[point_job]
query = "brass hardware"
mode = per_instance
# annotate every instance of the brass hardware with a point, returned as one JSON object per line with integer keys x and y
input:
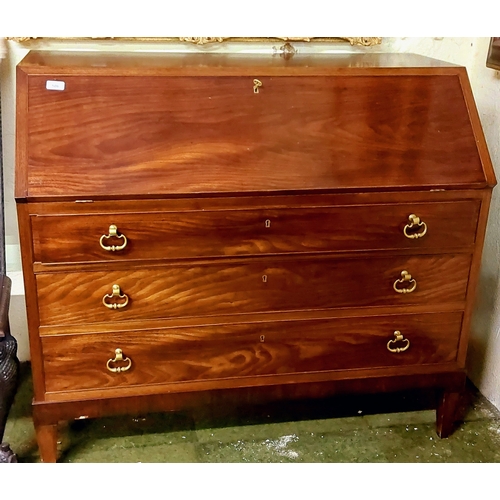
{"x": 399, "y": 338}
{"x": 264, "y": 278}
{"x": 113, "y": 233}
{"x": 268, "y": 223}
{"x": 119, "y": 359}
{"x": 256, "y": 85}
{"x": 262, "y": 338}
{"x": 116, "y": 293}
{"x": 415, "y": 221}
{"x": 405, "y": 280}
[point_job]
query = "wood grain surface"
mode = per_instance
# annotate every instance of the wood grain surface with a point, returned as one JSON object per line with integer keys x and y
{"x": 195, "y": 289}
{"x": 108, "y": 136}
{"x": 190, "y": 234}
{"x": 74, "y": 362}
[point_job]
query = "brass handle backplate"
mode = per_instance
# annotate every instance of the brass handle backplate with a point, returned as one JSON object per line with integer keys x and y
{"x": 406, "y": 284}
{"x": 398, "y": 338}
{"x": 119, "y": 359}
{"x": 114, "y": 295}
{"x": 415, "y": 222}
{"x": 113, "y": 233}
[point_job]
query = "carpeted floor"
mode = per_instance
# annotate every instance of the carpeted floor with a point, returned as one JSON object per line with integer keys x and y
{"x": 397, "y": 428}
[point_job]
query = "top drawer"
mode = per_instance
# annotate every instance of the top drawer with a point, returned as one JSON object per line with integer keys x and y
{"x": 217, "y": 233}
{"x": 103, "y": 136}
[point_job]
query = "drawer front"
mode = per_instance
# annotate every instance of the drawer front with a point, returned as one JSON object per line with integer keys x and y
{"x": 253, "y": 286}
{"x": 79, "y": 362}
{"x": 176, "y": 235}
{"x": 175, "y": 135}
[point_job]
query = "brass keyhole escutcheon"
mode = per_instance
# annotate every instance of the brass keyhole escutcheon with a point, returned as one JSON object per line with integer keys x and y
{"x": 406, "y": 284}
{"x": 257, "y": 84}
{"x": 262, "y": 338}
{"x": 113, "y": 233}
{"x": 414, "y": 222}
{"x": 264, "y": 278}
{"x": 267, "y": 223}
{"x": 115, "y": 295}
{"x": 119, "y": 359}
{"x": 398, "y": 338}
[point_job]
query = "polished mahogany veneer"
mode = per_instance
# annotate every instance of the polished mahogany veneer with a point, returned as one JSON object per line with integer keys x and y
{"x": 197, "y": 227}
{"x": 242, "y": 350}
{"x": 182, "y": 234}
{"x": 271, "y": 285}
{"x": 252, "y": 143}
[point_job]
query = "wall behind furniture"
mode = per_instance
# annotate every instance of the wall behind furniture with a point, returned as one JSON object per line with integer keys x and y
{"x": 484, "y": 359}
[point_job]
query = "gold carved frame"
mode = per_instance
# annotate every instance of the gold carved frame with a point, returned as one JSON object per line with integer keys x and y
{"x": 355, "y": 41}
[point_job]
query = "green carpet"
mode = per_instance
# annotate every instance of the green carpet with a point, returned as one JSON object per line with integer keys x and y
{"x": 397, "y": 428}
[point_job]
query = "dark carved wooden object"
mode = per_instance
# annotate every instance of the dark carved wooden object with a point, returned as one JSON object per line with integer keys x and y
{"x": 9, "y": 368}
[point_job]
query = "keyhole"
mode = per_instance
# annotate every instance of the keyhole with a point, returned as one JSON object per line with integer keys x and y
{"x": 264, "y": 278}
{"x": 268, "y": 223}
{"x": 262, "y": 338}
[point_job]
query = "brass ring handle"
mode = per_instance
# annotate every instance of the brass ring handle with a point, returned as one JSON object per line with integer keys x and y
{"x": 119, "y": 358}
{"x": 256, "y": 86}
{"x": 113, "y": 232}
{"x": 406, "y": 280}
{"x": 399, "y": 338}
{"x": 415, "y": 222}
{"x": 116, "y": 293}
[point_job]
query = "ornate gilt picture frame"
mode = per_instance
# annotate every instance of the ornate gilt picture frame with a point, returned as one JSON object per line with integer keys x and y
{"x": 203, "y": 41}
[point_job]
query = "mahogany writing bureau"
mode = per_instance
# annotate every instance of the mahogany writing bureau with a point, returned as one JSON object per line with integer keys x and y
{"x": 199, "y": 227}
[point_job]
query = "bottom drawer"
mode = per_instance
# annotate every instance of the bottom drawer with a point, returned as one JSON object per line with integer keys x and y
{"x": 211, "y": 352}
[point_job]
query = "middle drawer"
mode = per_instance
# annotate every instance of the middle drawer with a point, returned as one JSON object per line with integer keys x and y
{"x": 273, "y": 285}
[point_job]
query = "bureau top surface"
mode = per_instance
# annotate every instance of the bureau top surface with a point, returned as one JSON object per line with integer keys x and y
{"x": 112, "y": 125}
{"x": 198, "y": 64}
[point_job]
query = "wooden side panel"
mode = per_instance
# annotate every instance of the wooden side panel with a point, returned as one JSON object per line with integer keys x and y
{"x": 25, "y": 238}
{"x": 475, "y": 120}
{"x": 22, "y": 141}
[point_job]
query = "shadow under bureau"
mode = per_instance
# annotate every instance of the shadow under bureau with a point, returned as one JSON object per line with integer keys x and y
{"x": 198, "y": 228}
